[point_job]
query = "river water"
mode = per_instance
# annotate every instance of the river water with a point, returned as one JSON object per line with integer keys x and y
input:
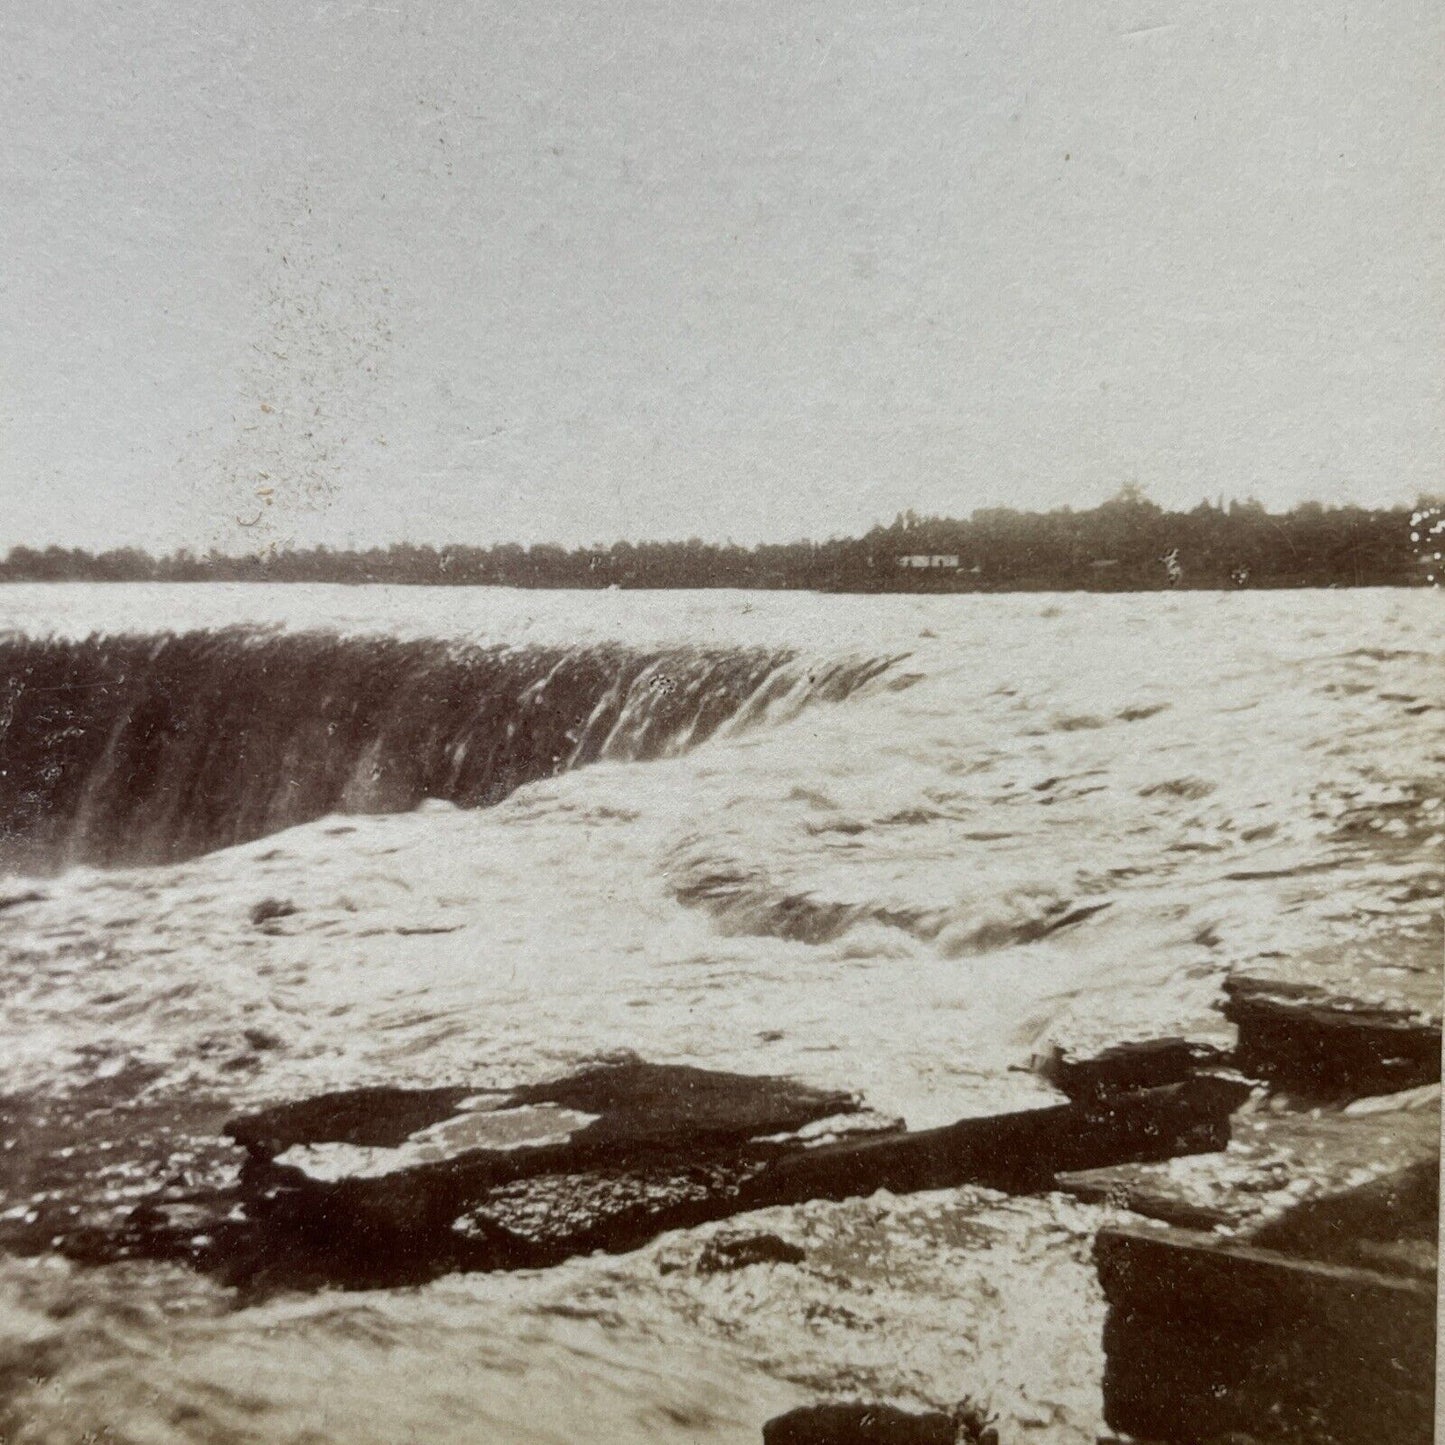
{"x": 897, "y": 845}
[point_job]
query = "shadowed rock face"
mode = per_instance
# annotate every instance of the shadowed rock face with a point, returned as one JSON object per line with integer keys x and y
{"x": 1303, "y": 1039}
{"x": 1206, "y": 1339}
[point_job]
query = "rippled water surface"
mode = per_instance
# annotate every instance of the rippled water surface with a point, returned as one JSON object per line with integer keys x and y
{"x": 1047, "y": 820}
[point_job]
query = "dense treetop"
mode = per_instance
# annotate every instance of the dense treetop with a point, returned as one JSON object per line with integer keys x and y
{"x": 1128, "y": 543}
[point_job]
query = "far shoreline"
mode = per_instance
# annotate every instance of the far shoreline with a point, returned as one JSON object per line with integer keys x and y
{"x": 1007, "y": 589}
{"x": 1127, "y": 544}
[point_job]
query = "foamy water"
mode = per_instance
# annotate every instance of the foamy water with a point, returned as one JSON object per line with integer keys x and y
{"x": 1052, "y": 820}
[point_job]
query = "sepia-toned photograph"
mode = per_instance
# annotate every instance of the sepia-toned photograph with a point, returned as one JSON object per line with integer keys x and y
{"x": 721, "y": 722}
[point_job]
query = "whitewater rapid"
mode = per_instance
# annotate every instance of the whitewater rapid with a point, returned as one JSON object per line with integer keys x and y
{"x": 1024, "y": 822}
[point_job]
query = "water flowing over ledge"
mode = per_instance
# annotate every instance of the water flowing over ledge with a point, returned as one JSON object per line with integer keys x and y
{"x": 153, "y": 749}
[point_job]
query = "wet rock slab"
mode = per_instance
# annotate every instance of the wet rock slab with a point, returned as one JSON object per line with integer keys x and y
{"x": 382, "y": 1186}
{"x": 1142, "y": 1064}
{"x": 1276, "y": 1162}
{"x": 1213, "y": 1340}
{"x": 869, "y": 1424}
{"x": 1323, "y": 1044}
{"x": 1017, "y": 1152}
{"x": 339, "y": 1192}
{"x": 387, "y": 1186}
{"x": 1309, "y": 1313}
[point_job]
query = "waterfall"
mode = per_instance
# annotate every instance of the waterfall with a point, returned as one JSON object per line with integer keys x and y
{"x": 151, "y": 749}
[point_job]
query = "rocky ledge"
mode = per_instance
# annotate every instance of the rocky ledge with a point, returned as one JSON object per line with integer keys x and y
{"x": 384, "y": 1186}
{"x": 1307, "y": 1312}
{"x": 378, "y": 1187}
{"x": 1284, "y": 1293}
{"x": 1289, "y": 1293}
{"x": 1320, "y": 1043}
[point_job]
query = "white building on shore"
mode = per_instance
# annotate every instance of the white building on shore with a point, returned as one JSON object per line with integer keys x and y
{"x": 945, "y": 560}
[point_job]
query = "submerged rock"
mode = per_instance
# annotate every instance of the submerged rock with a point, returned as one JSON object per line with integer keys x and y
{"x": 1145, "y": 1064}
{"x": 721, "y": 1255}
{"x": 859, "y": 1424}
{"x": 14, "y": 900}
{"x": 272, "y": 908}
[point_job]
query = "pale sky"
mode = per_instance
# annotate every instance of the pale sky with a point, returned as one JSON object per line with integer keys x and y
{"x": 319, "y": 271}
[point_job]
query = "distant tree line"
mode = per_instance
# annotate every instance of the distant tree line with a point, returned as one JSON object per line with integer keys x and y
{"x": 1126, "y": 544}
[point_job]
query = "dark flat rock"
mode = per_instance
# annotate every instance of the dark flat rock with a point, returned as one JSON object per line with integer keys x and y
{"x": 861, "y": 1424}
{"x": 1020, "y": 1152}
{"x": 374, "y": 1118}
{"x": 671, "y": 1105}
{"x": 1321, "y": 1044}
{"x": 603, "y": 1159}
{"x": 636, "y": 1104}
{"x": 617, "y": 1154}
{"x": 1206, "y": 1340}
{"x": 1274, "y": 1163}
{"x": 1145, "y": 1064}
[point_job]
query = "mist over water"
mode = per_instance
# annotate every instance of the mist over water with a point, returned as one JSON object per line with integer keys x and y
{"x": 1046, "y": 820}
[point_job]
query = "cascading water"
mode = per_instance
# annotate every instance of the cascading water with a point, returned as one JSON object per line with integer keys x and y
{"x": 152, "y": 749}
{"x": 900, "y": 896}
